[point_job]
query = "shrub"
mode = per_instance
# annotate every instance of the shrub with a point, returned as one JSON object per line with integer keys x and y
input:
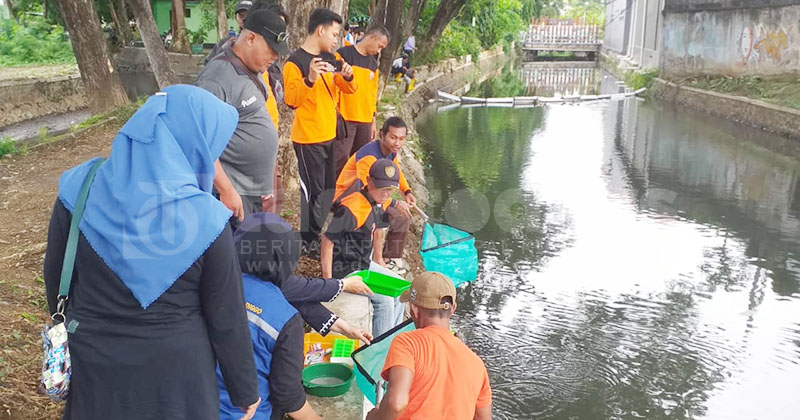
{"x": 457, "y": 40}
{"x": 7, "y": 147}
{"x": 640, "y": 79}
{"x": 33, "y": 40}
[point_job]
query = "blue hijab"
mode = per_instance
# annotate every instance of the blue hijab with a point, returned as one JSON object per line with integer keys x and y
{"x": 150, "y": 213}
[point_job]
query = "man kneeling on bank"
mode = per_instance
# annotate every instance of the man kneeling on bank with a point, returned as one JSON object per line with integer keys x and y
{"x": 431, "y": 373}
{"x": 347, "y": 245}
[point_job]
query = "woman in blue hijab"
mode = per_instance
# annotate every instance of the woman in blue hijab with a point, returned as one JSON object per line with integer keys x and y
{"x": 156, "y": 299}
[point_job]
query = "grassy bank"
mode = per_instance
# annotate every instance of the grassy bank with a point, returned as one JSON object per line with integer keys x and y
{"x": 779, "y": 91}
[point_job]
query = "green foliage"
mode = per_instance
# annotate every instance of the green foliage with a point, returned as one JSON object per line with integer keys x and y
{"x": 494, "y": 20}
{"x": 531, "y": 9}
{"x": 7, "y": 146}
{"x": 482, "y": 24}
{"x": 640, "y": 79}
{"x": 784, "y": 91}
{"x": 595, "y": 11}
{"x": 208, "y": 16}
{"x": 122, "y": 113}
{"x": 196, "y": 37}
{"x": 29, "y": 317}
{"x": 358, "y": 12}
{"x": 457, "y": 40}
{"x": 33, "y": 40}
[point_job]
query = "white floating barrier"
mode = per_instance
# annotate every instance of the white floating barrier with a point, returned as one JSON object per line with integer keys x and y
{"x": 533, "y": 100}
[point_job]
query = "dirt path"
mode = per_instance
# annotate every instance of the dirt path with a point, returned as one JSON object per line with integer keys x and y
{"x": 28, "y": 188}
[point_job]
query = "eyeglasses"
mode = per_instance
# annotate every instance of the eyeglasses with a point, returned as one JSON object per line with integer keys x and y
{"x": 281, "y": 37}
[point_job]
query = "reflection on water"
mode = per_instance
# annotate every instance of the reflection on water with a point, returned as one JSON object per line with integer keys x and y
{"x": 638, "y": 260}
{"x": 551, "y": 79}
{"x": 546, "y": 79}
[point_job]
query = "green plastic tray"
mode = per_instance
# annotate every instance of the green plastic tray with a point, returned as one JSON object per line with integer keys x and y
{"x": 342, "y": 347}
{"x": 383, "y": 284}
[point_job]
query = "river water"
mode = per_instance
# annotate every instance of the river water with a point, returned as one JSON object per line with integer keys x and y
{"x": 637, "y": 260}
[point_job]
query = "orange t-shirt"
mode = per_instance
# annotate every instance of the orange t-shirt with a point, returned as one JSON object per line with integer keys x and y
{"x": 450, "y": 381}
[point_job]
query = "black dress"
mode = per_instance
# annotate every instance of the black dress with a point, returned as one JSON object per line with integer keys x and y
{"x": 158, "y": 363}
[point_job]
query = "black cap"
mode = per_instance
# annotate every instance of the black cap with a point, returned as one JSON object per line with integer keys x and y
{"x": 269, "y": 25}
{"x": 384, "y": 174}
{"x": 243, "y": 5}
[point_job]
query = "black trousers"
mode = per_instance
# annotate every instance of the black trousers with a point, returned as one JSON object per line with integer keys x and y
{"x": 317, "y": 182}
{"x": 358, "y": 134}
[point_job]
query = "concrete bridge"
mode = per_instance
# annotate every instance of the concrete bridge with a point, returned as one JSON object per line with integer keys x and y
{"x": 561, "y": 37}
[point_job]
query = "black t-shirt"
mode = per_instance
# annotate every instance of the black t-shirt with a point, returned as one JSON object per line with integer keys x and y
{"x": 351, "y": 231}
{"x": 286, "y": 393}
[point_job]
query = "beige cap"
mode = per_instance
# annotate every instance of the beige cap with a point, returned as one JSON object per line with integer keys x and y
{"x": 428, "y": 289}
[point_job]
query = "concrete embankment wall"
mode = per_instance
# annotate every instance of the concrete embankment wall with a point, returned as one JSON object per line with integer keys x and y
{"x": 730, "y": 37}
{"x": 27, "y": 99}
{"x": 780, "y": 120}
{"x": 133, "y": 59}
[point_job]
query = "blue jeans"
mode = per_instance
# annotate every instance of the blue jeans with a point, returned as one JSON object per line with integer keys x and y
{"x": 388, "y": 312}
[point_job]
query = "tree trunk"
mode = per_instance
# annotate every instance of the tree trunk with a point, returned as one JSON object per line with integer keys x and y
{"x": 100, "y": 81}
{"x": 373, "y": 4}
{"x": 44, "y": 9}
{"x": 299, "y": 12}
{"x": 447, "y": 10}
{"x": 379, "y": 12}
{"x": 125, "y": 22}
{"x": 115, "y": 18}
{"x": 156, "y": 53}
{"x": 392, "y": 21}
{"x": 339, "y": 6}
{"x": 180, "y": 43}
{"x": 222, "y": 19}
{"x": 10, "y": 5}
{"x": 415, "y": 8}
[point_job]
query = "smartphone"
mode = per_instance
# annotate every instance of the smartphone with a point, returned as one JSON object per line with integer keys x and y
{"x": 337, "y": 64}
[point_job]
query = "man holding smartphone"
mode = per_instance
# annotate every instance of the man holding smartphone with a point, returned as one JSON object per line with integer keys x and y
{"x": 312, "y": 85}
{"x": 359, "y": 109}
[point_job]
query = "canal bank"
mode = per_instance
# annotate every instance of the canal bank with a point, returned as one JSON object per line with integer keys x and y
{"x": 781, "y": 120}
{"x": 778, "y": 119}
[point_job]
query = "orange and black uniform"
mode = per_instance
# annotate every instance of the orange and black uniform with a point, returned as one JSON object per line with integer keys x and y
{"x": 354, "y": 177}
{"x": 355, "y": 172}
{"x": 313, "y": 135}
{"x": 358, "y": 109}
{"x": 351, "y": 230}
{"x": 272, "y": 104}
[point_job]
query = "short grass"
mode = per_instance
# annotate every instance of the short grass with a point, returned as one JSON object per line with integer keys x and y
{"x": 784, "y": 91}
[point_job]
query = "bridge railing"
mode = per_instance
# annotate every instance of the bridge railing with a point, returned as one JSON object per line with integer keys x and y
{"x": 562, "y": 34}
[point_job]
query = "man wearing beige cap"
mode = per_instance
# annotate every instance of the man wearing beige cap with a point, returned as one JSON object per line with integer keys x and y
{"x": 431, "y": 373}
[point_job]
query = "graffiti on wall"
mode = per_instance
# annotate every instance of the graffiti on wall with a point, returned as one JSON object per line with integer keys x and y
{"x": 761, "y": 44}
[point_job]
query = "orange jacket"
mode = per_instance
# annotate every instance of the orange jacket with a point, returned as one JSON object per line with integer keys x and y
{"x": 314, "y": 104}
{"x": 355, "y": 172}
{"x": 361, "y": 105}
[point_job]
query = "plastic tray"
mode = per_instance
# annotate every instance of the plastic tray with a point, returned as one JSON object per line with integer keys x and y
{"x": 383, "y": 284}
{"x": 343, "y": 347}
{"x": 327, "y": 343}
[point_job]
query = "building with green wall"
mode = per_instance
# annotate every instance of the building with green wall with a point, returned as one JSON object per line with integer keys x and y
{"x": 194, "y": 16}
